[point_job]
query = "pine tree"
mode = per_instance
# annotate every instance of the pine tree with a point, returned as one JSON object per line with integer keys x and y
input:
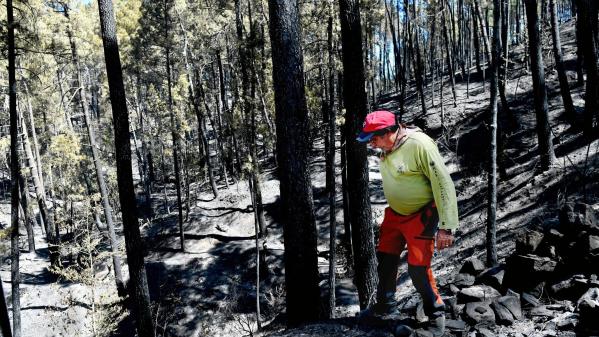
{"x": 357, "y": 165}
{"x": 299, "y": 229}
{"x": 138, "y": 284}
{"x": 14, "y": 175}
{"x": 546, "y": 152}
{"x": 492, "y": 174}
{"x": 569, "y": 111}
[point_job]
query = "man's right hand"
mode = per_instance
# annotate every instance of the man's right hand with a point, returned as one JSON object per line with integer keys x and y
{"x": 444, "y": 239}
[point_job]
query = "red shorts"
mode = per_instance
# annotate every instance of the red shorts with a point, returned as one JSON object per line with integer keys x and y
{"x": 416, "y": 231}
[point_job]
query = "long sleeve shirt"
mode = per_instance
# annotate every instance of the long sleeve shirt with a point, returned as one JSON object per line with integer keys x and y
{"x": 414, "y": 174}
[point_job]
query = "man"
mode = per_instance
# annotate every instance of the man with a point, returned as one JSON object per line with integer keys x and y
{"x": 422, "y": 210}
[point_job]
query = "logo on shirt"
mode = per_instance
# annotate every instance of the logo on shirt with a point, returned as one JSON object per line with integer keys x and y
{"x": 401, "y": 168}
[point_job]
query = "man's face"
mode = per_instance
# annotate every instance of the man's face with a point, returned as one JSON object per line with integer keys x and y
{"x": 376, "y": 141}
{"x": 381, "y": 141}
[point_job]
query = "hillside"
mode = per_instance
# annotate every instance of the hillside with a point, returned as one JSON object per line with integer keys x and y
{"x": 210, "y": 289}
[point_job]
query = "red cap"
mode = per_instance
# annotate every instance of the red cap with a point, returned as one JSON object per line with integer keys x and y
{"x": 375, "y": 121}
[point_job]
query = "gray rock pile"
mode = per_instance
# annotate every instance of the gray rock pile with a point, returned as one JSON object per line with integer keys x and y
{"x": 551, "y": 279}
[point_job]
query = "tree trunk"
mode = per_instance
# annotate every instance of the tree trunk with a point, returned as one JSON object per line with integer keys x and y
{"x": 449, "y": 60}
{"x": 145, "y": 153}
{"x": 82, "y": 96}
{"x": 587, "y": 14}
{"x": 248, "y": 92}
{"x": 344, "y": 184}
{"x": 483, "y": 30}
{"x": 540, "y": 91}
{"x": 220, "y": 131}
{"x": 138, "y": 284}
{"x": 228, "y": 156}
{"x": 331, "y": 166}
{"x": 36, "y": 147}
{"x": 4, "y": 319}
{"x": 579, "y": 46}
{"x": 299, "y": 229}
{"x": 47, "y": 218}
{"x": 174, "y": 127}
{"x": 15, "y": 173}
{"x": 433, "y": 53}
{"x": 26, "y": 148}
{"x": 201, "y": 124}
{"x": 27, "y": 219}
{"x": 357, "y": 168}
{"x": 569, "y": 111}
{"x": 418, "y": 65}
{"x": 476, "y": 40}
{"x": 492, "y": 173}
{"x": 396, "y": 52}
{"x": 502, "y": 73}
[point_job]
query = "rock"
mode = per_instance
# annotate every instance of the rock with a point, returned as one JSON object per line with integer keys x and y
{"x": 502, "y": 314}
{"x": 492, "y": 277}
{"x": 524, "y": 272}
{"x": 403, "y": 331}
{"x": 566, "y": 321}
{"x": 530, "y": 300}
{"x": 571, "y": 288}
{"x": 573, "y": 217}
{"x": 422, "y": 333}
{"x": 450, "y": 306}
{"x": 484, "y": 332}
{"x": 479, "y": 312}
{"x": 554, "y": 235}
{"x": 528, "y": 242}
{"x": 534, "y": 263}
{"x": 460, "y": 307}
{"x": 510, "y": 292}
{"x": 588, "y": 308}
{"x": 472, "y": 266}
{"x": 463, "y": 280}
{"x": 593, "y": 243}
{"x": 477, "y": 293}
{"x": 541, "y": 310}
{"x": 511, "y": 303}
{"x": 455, "y": 325}
{"x": 454, "y": 289}
{"x": 537, "y": 290}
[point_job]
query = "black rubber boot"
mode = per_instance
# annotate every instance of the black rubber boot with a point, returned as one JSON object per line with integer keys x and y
{"x": 435, "y": 311}
{"x": 386, "y": 304}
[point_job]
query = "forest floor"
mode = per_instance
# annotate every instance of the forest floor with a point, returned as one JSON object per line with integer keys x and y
{"x": 210, "y": 289}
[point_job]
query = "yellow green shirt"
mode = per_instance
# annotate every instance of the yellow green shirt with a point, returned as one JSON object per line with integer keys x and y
{"x": 414, "y": 174}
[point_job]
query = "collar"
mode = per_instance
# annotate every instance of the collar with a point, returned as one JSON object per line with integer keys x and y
{"x": 399, "y": 141}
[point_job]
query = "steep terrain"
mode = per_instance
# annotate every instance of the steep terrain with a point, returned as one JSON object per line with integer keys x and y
{"x": 210, "y": 290}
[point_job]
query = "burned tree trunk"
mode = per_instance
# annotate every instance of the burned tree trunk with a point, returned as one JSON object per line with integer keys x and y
{"x": 27, "y": 220}
{"x": 492, "y": 174}
{"x": 82, "y": 96}
{"x": 299, "y": 229}
{"x": 587, "y": 14}
{"x": 15, "y": 173}
{"x": 138, "y": 284}
{"x": 540, "y": 91}
{"x": 569, "y": 112}
{"x": 357, "y": 168}
{"x": 330, "y": 158}
{"x": 174, "y": 135}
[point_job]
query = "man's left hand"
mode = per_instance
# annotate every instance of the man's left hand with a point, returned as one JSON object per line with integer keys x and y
{"x": 444, "y": 239}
